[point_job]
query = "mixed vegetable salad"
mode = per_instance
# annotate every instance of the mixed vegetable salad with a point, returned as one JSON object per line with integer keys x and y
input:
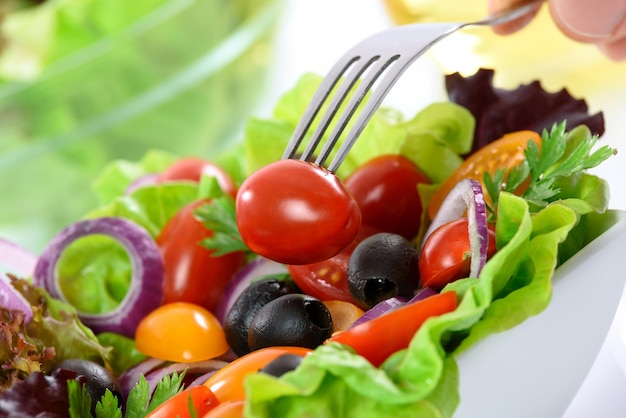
{"x": 254, "y": 286}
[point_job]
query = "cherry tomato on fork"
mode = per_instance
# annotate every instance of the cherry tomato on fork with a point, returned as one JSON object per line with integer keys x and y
{"x": 296, "y": 212}
{"x": 192, "y": 273}
{"x": 385, "y": 188}
{"x": 446, "y": 254}
{"x": 193, "y": 168}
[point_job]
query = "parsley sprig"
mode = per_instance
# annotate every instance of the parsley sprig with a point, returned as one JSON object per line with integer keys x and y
{"x": 138, "y": 404}
{"x": 560, "y": 155}
{"x": 218, "y": 215}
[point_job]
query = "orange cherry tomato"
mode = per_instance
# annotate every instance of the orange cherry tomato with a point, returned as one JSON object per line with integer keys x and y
{"x": 193, "y": 169}
{"x": 181, "y": 332}
{"x": 201, "y": 397}
{"x": 504, "y": 153}
{"x": 227, "y": 382}
{"x": 380, "y": 337}
{"x": 229, "y": 409}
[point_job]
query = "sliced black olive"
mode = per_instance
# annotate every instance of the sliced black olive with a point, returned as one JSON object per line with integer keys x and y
{"x": 253, "y": 298}
{"x": 96, "y": 379}
{"x": 282, "y": 364}
{"x": 382, "y": 266}
{"x": 290, "y": 320}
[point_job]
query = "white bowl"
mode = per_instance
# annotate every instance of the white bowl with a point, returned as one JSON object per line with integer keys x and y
{"x": 536, "y": 369}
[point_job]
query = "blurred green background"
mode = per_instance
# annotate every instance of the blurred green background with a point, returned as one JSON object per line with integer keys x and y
{"x": 83, "y": 82}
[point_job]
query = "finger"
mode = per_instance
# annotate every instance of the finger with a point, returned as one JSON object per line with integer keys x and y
{"x": 590, "y": 21}
{"x": 615, "y": 50}
{"x": 494, "y": 6}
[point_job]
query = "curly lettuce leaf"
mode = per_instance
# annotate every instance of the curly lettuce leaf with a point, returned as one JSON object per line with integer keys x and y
{"x": 499, "y": 111}
{"x": 55, "y": 333}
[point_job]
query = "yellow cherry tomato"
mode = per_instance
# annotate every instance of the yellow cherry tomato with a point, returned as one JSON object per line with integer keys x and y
{"x": 181, "y": 332}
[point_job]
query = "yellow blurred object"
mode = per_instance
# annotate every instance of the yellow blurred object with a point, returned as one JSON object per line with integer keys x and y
{"x": 539, "y": 51}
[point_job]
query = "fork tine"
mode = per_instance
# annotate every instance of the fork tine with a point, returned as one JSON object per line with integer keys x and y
{"x": 358, "y": 68}
{"x": 359, "y": 94}
{"x": 319, "y": 98}
{"x": 387, "y": 81}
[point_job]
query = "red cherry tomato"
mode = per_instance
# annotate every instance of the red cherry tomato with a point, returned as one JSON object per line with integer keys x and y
{"x": 193, "y": 168}
{"x": 295, "y": 212}
{"x": 192, "y": 273}
{"x": 380, "y": 337}
{"x": 386, "y": 190}
{"x": 446, "y": 254}
{"x": 181, "y": 332}
{"x": 328, "y": 280}
{"x": 201, "y": 397}
{"x": 227, "y": 382}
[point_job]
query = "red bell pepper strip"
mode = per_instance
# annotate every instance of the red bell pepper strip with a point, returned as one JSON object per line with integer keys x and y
{"x": 380, "y": 337}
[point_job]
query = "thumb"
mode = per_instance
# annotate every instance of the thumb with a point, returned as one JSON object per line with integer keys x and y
{"x": 597, "y": 21}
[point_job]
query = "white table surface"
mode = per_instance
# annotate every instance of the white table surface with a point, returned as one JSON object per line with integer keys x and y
{"x": 315, "y": 33}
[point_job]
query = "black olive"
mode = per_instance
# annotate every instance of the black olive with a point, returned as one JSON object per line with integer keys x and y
{"x": 96, "y": 379}
{"x": 253, "y": 298}
{"x": 282, "y": 364}
{"x": 383, "y": 265}
{"x": 290, "y": 320}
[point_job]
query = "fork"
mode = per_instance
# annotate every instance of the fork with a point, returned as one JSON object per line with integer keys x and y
{"x": 373, "y": 66}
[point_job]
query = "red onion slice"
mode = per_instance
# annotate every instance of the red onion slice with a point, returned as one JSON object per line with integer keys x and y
{"x": 466, "y": 196}
{"x": 146, "y": 287}
{"x": 13, "y": 300}
{"x": 20, "y": 262}
{"x": 379, "y": 309}
{"x": 16, "y": 259}
{"x": 142, "y": 181}
{"x": 258, "y": 267}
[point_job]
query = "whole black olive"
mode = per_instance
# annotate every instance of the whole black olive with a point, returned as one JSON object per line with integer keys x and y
{"x": 290, "y": 320}
{"x": 253, "y": 298}
{"x": 383, "y": 265}
{"x": 96, "y": 379}
{"x": 282, "y": 364}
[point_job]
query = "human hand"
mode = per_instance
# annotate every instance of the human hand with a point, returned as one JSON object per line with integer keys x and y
{"x": 598, "y": 22}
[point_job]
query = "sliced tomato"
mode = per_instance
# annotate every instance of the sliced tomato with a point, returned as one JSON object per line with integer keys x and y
{"x": 296, "y": 212}
{"x": 504, "y": 153}
{"x": 193, "y": 169}
{"x": 199, "y": 397}
{"x": 192, "y": 273}
{"x": 227, "y": 382}
{"x": 386, "y": 190}
{"x": 380, "y": 337}
{"x": 446, "y": 254}
{"x": 328, "y": 280}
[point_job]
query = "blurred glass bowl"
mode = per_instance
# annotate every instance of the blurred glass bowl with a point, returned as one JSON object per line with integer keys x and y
{"x": 182, "y": 78}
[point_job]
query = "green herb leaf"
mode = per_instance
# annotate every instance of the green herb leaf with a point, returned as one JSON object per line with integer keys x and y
{"x": 137, "y": 401}
{"x": 218, "y": 215}
{"x": 108, "y": 407}
{"x": 80, "y": 400}
{"x": 562, "y": 154}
